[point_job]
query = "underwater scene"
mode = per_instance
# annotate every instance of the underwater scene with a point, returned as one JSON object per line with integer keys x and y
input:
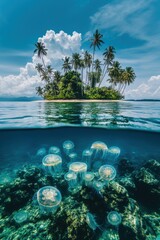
{"x": 79, "y": 183}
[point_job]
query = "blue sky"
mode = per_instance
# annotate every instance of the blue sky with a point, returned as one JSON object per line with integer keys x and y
{"x": 132, "y": 27}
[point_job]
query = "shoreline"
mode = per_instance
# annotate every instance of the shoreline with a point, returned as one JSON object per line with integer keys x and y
{"x": 79, "y": 100}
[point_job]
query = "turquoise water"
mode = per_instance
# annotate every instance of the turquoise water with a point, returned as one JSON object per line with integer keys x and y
{"x": 127, "y": 114}
{"x": 29, "y": 129}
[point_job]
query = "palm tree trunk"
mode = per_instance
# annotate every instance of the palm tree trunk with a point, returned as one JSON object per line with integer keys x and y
{"x": 43, "y": 63}
{"x": 103, "y": 76}
{"x": 124, "y": 88}
{"x": 86, "y": 74}
{"x": 93, "y": 59}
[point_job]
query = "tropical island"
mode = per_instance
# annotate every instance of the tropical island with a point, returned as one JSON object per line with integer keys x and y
{"x": 82, "y": 75}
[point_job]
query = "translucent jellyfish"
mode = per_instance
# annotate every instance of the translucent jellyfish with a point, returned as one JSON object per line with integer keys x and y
{"x": 90, "y": 220}
{"x": 68, "y": 147}
{"x": 98, "y": 186}
{"x": 113, "y": 154}
{"x": 52, "y": 164}
{"x": 99, "y": 149}
{"x": 88, "y": 178}
{"x": 79, "y": 168}
{"x": 107, "y": 173}
{"x": 73, "y": 157}
{"x": 41, "y": 152}
{"x": 20, "y": 217}
{"x": 114, "y": 218}
{"x": 86, "y": 157}
{"x": 54, "y": 150}
{"x": 71, "y": 178}
{"x": 48, "y": 199}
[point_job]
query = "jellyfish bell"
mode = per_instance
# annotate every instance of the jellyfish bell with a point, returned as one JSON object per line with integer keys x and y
{"x": 54, "y": 150}
{"x": 114, "y": 218}
{"x": 52, "y": 163}
{"x": 71, "y": 178}
{"x": 48, "y": 199}
{"x": 107, "y": 173}
{"x": 90, "y": 220}
{"x": 79, "y": 168}
{"x": 41, "y": 152}
{"x": 98, "y": 186}
{"x": 73, "y": 157}
{"x": 86, "y": 157}
{"x": 99, "y": 150}
{"x": 68, "y": 147}
{"x": 20, "y": 217}
{"x": 88, "y": 178}
{"x": 113, "y": 154}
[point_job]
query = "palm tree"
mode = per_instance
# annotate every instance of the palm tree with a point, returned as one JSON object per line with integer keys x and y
{"x": 109, "y": 55}
{"x": 66, "y": 64}
{"x": 39, "y": 68}
{"x": 76, "y": 59}
{"x": 115, "y": 73}
{"x": 98, "y": 69}
{"x": 45, "y": 76}
{"x": 94, "y": 78}
{"x": 87, "y": 62}
{"x": 49, "y": 70}
{"x": 82, "y": 66}
{"x": 41, "y": 51}
{"x": 97, "y": 65}
{"x": 39, "y": 91}
{"x": 57, "y": 76}
{"x": 96, "y": 42}
{"x": 128, "y": 77}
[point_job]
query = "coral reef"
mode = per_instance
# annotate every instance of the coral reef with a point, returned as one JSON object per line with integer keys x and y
{"x": 134, "y": 195}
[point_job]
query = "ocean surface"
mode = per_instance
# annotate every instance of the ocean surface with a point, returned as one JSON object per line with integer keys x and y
{"x": 28, "y": 133}
{"x": 125, "y": 114}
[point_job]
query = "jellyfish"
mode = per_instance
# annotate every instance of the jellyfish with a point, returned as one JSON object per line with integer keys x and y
{"x": 98, "y": 186}
{"x": 73, "y": 157}
{"x": 68, "y": 147}
{"x": 54, "y": 150}
{"x": 52, "y": 164}
{"x": 113, "y": 154}
{"x": 41, "y": 152}
{"x": 88, "y": 178}
{"x": 20, "y": 217}
{"x": 99, "y": 150}
{"x": 79, "y": 168}
{"x": 107, "y": 173}
{"x": 71, "y": 178}
{"x": 86, "y": 157}
{"x": 90, "y": 220}
{"x": 48, "y": 199}
{"x": 114, "y": 218}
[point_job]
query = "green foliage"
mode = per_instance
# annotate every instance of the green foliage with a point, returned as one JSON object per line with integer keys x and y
{"x": 103, "y": 93}
{"x": 69, "y": 87}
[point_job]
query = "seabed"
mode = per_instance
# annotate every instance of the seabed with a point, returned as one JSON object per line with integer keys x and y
{"x": 133, "y": 193}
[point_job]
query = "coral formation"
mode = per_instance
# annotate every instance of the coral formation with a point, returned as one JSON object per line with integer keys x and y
{"x": 134, "y": 194}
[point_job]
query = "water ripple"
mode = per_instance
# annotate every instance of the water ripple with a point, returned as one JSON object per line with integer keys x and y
{"x": 127, "y": 114}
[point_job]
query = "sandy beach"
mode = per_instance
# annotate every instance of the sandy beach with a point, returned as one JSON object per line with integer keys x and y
{"x": 79, "y": 100}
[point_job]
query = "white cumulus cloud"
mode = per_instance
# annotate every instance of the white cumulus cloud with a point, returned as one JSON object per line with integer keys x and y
{"x": 148, "y": 90}
{"x": 59, "y": 45}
